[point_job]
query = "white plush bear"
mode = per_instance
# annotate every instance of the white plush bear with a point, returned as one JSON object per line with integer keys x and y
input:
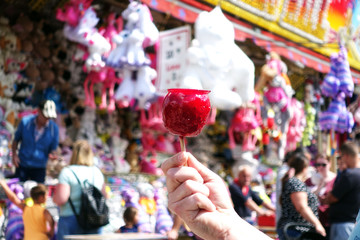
{"x": 137, "y": 86}
{"x": 216, "y": 63}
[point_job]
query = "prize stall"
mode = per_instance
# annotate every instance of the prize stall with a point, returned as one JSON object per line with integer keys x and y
{"x": 108, "y": 65}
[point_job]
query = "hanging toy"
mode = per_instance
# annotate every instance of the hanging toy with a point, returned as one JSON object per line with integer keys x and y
{"x": 337, "y": 85}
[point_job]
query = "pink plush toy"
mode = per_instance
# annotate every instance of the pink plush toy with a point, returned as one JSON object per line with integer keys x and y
{"x": 296, "y": 125}
{"x": 246, "y": 119}
{"x": 72, "y": 11}
{"x": 108, "y": 85}
{"x": 92, "y": 78}
{"x": 85, "y": 32}
{"x": 113, "y": 27}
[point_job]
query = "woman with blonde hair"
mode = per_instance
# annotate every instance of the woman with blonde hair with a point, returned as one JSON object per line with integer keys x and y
{"x": 81, "y": 167}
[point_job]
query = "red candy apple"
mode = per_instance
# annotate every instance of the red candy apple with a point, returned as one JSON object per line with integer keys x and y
{"x": 185, "y": 111}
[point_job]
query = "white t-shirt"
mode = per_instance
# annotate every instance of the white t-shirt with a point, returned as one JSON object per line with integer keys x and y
{"x": 92, "y": 174}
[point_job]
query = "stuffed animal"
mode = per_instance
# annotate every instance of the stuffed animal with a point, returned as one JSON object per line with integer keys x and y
{"x": 277, "y": 92}
{"x": 108, "y": 85}
{"x": 216, "y": 63}
{"x": 245, "y": 120}
{"x": 164, "y": 221}
{"x": 338, "y": 84}
{"x": 85, "y": 33}
{"x": 137, "y": 85}
{"x": 296, "y": 125}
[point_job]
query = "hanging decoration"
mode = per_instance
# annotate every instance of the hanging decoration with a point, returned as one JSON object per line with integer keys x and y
{"x": 337, "y": 85}
{"x": 129, "y": 57}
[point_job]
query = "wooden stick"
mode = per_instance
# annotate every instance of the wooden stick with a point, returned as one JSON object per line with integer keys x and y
{"x": 182, "y": 144}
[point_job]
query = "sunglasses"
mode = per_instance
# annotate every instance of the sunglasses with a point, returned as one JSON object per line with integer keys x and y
{"x": 320, "y": 164}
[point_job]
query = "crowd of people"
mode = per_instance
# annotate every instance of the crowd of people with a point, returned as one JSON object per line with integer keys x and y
{"x": 324, "y": 202}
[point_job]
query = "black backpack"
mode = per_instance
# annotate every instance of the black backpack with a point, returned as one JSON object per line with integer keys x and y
{"x": 94, "y": 212}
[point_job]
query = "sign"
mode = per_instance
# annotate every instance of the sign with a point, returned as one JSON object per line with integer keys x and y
{"x": 171, "y": 57}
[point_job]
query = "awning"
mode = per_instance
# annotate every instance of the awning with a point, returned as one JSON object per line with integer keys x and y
{"x": 188, "y": 10}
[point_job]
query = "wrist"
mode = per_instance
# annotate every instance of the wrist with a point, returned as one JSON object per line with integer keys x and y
{"x": 240, "y": 227}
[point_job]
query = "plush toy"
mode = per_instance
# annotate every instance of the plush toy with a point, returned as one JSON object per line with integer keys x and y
{"x": 277, "y": 92}
{"x": 246, "y": 119}
{"x": 216, "y": 63}
{"x": 339, "y": 78}
{"x": 164, "y": 221}
{"x": 338, "y": 84}
{"x": 137, "y": 85}
{"x": 296, "y": 125}
{"x": 310, "y": 115}
{"x": 138, "y": 33}
{"x": 92, "y": 78}
{"x": 108, "y": 85}
{"x": 85, "y": 33}
{"x": 15, "y": 224}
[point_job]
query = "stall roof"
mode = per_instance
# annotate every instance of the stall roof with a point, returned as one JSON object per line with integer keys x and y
{"x": 187, "y": 11}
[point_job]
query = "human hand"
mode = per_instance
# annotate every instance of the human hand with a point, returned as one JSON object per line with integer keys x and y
{"x": 172, "y": 234}
{"x": 15, "y": 160}
{"x": 200, "y": 198}
{"x": 269, "y": 213}
{"x": 320, "y": 229}
{"x": 53, "y": 156}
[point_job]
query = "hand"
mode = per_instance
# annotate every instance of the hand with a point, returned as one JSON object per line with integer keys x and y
{"x": 269, "y": 213}
{"x": 320, "y": 229}
{"x": 202, "y": 200}
{"x": 53, "y": 156}
{"x": 172, "y": 234}
{"x": 15, "y": 160}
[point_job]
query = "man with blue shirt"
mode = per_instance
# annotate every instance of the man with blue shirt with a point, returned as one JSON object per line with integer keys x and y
{"x": 38, "y": 137}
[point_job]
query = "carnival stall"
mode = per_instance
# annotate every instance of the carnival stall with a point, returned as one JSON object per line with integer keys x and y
{"x": 108, "y": 65}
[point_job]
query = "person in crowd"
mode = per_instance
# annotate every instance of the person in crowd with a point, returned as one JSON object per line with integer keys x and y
{"x": 322, "y": 182}
{"x": 38, "y": 222}
{"x": 341, "y": 166}
{"x": 245, "y": 199}
{"x": 38, "y": 137}
{"x": 344, "y": 199}
{"x": 201, "y": 199}
{"x": 298, "y": 203}
{"x": 131, "y": 219}
{"x": 282, "y": 170}
{"x": 81, "y": 164}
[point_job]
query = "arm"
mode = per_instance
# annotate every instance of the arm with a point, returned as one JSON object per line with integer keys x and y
{"x": 15, "y": 157}
{"x": 49, "y": 223}
{"x": 269, "y": 206}
{"x": 11, "y": 195}
{"x": 53, "y": 154}
{"x": 61, "y": 194}
{"x": 299, "y": 200}
{"x": 254, "y": 207}
{"x": 329, "y": 199}
{"x": 173, "y": 234}
{"x": 200, "y": 198}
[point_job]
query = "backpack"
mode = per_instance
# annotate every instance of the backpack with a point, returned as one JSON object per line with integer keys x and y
{"x": 94, "y": 212}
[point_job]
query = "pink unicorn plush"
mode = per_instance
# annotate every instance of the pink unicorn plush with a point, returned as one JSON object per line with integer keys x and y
{"x": 85, "y": 32}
